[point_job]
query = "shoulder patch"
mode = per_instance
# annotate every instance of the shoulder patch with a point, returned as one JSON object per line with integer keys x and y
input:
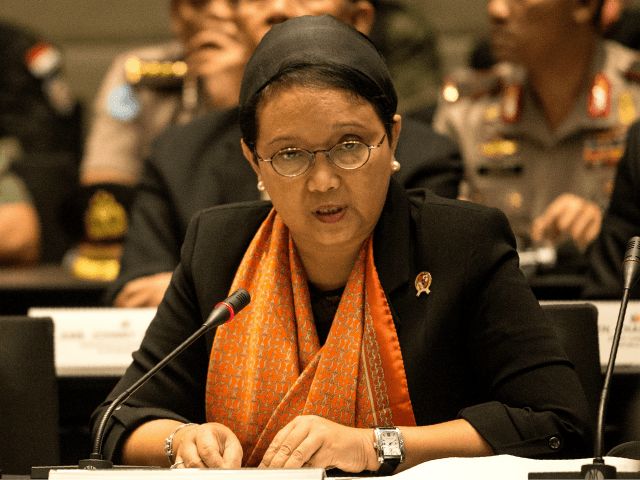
{"x": 42, "y": 60}
{"x": 122, "y": 103}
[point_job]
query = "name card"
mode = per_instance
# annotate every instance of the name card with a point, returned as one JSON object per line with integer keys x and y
{"x": 95, "y": 341}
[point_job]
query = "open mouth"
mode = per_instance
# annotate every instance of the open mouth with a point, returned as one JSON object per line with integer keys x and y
{"x": 330, "y": 214}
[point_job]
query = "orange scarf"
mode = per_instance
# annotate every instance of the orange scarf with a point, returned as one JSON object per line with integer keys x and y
{"x": 267, "y": 366}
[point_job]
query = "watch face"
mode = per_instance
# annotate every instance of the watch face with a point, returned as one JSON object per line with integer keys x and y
{"x": 390, "y": 443}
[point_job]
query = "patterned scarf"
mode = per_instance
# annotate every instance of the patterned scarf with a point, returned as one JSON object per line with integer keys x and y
{"x": 267, "y": 366}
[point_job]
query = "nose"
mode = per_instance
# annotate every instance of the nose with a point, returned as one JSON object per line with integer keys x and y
{"x": 280, "y": 11}
{"x": 497, "y": 10}
{"x": 323, "y": 175}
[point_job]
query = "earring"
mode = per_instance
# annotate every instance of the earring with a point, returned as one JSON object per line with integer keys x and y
{"x": 395, "y": 165}
{"x": 261, "y": 186}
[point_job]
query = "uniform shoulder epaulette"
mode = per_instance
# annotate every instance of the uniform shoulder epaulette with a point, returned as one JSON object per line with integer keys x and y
{"x": 159, "y": 74}
{"x": 471, "y": 84}
{"x": 633, "y": 72}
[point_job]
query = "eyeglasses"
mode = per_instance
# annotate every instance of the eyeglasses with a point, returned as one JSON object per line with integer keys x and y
{"x": 291, "y": 162}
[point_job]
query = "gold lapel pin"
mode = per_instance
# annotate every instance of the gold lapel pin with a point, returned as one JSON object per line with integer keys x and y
{"x": 423, "y": 282}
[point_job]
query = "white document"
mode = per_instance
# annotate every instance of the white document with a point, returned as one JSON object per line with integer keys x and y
{"x": 505, "y": 467}
{"x": 95, "y": 341}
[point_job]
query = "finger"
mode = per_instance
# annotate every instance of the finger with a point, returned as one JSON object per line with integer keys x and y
{"x": 302, "y": 455}
{"x": 209, "y": 449}
{"x": 586, "y": 227}
{"x": 275, "y": 445}
{"x": 232, "y": 456}
{"x": 188, "y": 453}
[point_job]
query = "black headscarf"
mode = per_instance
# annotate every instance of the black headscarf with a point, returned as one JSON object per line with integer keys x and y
{"x": 314, "y": 40}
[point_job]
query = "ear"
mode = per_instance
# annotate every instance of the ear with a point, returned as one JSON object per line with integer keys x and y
{"x": 584, "y": 12}
{"x": 362, "y": 16}
{"x": 248, "y": 154}
{"x": 395, "y": 129}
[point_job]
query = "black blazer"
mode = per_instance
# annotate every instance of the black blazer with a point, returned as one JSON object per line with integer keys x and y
{"x": 476, "y": 347}
{"x": 200, "y": 164}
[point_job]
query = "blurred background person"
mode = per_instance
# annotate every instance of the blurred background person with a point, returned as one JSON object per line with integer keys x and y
{"x": 40, "y": 142}
{"x": 200, "y": 164}
{"x": 145, "y": 90}
{"x": 541, "y": 133}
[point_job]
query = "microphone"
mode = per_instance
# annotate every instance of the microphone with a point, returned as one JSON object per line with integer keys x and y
{"x": 222, "y": 313}
{"x": 598, "y": 469}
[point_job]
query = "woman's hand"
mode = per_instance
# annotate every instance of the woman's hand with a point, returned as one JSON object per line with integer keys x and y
{"x": 210, "y": 445}
{"x": 311, "y": 441}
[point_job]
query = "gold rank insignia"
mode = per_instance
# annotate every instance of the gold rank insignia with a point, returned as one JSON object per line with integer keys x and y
{"x": 511, "y": 103}
{"x": 423, "y": 282}
{"x": 498, "y": 148}
{"x": 599, "y": 102}
{"x": 105, "y": 218}
{"x": 137, "y": 71}
{"x": 626, "y": 109}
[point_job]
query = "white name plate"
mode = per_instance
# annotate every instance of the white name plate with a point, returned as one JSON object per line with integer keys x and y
{"x": 95, "y": 341}
{"x": 193, "y": 473}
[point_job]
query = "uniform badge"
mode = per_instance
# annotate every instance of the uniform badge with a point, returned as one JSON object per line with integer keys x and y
{"x": 626, "y": 109}
{"x": 423, "y": 282}
{"x": 511, "y": 103}
{"x": 599, "y": 103}
{"x": 105, "y": 218}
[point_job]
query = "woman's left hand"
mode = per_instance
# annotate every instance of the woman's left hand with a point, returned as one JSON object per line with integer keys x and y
{"x": 311, "y": 441}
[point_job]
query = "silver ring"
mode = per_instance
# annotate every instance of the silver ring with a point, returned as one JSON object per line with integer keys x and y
{"x": 175, "y": 465}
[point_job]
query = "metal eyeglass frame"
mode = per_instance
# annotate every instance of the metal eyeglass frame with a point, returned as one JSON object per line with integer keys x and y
{"x": 313, "y": 156}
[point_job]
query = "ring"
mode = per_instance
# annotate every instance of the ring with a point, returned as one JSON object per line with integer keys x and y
{"x": 175, "y": 465}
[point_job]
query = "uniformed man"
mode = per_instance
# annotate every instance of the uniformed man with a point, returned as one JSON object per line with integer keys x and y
{"x": 39, "y": 134}
{"x": 541, "y": 133}
{"x": 144, "y": 91}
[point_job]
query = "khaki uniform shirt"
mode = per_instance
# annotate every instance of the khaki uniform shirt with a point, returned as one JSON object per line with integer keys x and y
{"x": 514, "y": 162}
{"x": 143, "y": 92}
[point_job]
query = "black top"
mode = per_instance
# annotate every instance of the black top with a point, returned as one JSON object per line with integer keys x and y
{"x": 477, "y": 347}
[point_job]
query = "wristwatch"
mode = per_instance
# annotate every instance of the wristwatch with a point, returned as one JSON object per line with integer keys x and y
{"x": 389, "y": 446}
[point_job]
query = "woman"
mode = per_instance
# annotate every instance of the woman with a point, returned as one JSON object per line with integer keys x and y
{"x": 369, "y": 307}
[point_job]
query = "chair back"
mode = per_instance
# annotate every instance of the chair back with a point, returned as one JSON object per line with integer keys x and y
{"x": 577, "y": 327}
{"x": 29, "y": 424}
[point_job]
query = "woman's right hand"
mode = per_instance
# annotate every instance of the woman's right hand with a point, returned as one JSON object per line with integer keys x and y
{"x": 210, "y": 445}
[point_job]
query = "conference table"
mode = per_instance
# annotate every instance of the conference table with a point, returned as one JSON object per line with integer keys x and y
{"x": 46, "y": 285}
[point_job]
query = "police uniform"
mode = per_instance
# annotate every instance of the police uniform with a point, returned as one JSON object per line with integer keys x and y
{"x": 144, "y": 91}
{"x": 514, "y": 162}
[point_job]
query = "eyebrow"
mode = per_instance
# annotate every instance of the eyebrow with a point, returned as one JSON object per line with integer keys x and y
{"x": 337, "y": 126}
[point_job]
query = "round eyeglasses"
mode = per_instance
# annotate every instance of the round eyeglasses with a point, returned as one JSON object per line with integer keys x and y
{"x": 291, "y": 162}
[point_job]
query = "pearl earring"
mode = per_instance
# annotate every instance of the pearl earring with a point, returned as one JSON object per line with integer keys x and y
{"x": 395, "y": 165}
{"x": 261, "y": 186}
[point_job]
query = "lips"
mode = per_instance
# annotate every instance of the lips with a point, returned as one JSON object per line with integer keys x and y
{"x": 330, "y": 213}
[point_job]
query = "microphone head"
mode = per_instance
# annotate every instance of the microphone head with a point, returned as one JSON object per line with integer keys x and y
{"x": 238, "y": 300}
{"x": 631, "y": 263}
